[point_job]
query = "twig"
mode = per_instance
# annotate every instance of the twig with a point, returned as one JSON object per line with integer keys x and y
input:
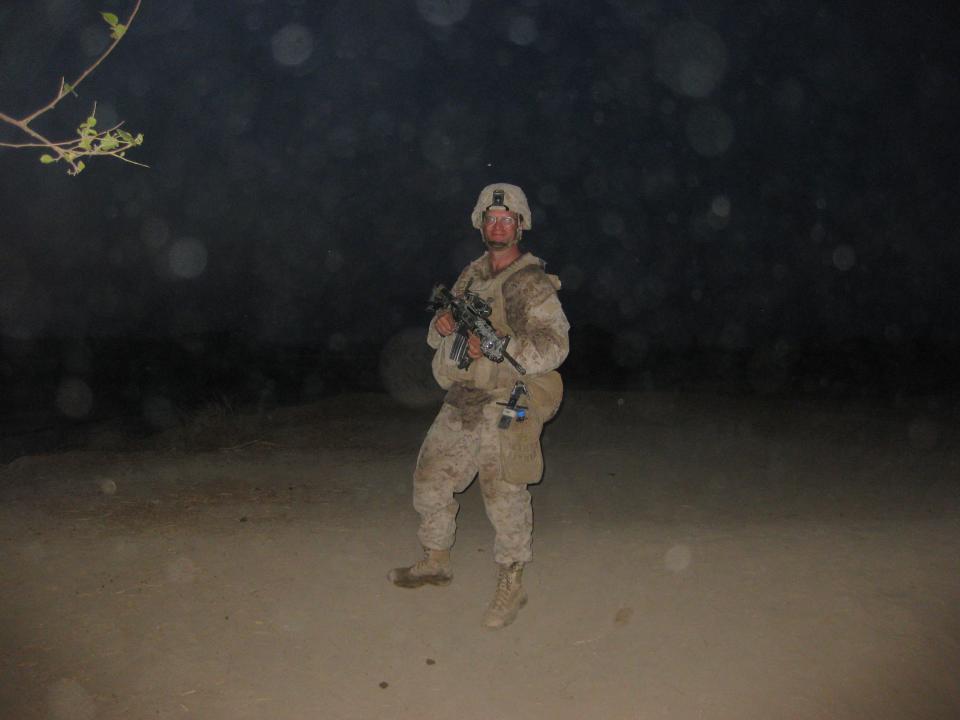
{"x": 83, "y": 76}
{"x": 111, "y": 142}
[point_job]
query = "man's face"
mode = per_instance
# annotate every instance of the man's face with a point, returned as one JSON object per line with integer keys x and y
{"x": 500, "y": 228}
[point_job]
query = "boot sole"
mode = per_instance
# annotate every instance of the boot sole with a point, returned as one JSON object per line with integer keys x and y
{"x": 412, "y": 583}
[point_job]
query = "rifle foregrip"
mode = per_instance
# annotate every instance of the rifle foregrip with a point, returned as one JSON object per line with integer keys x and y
{"x": 520, "y": 368}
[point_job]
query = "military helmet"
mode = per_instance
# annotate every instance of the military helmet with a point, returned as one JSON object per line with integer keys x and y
{"x": 502, "y": 196}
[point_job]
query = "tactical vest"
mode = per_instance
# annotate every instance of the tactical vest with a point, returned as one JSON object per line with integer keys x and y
{"x": 545, "y": 390}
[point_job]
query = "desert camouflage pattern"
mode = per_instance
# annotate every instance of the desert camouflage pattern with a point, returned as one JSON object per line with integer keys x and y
{"x": 525, "y": 306}
{"x": 460, "y": 446}
{"x": 514, "y": 199}
{"x": 464, "y": 441}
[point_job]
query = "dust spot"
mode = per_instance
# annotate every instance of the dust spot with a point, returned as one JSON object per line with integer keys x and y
{"x": 125, "y": 550}
{"x": 677, "y": 558}
{"x": 623, "y": 616}
{"x": 405, "y": 369}
{"x": 181, "y": 570}
{"x": 108, "y": 487}
{"x": 384, "y": 685}
{"x": 74, "y": 398}
{"x": 292, "y": 45}
{"x": 431, "y": 661}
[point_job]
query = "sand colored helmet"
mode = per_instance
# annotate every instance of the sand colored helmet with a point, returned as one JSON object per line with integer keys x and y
{"x": 503, "y": 196}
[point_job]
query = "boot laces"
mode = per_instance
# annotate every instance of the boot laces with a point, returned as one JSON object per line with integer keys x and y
{"x": 504, "y": 587}
{"x": 426, "y": 564}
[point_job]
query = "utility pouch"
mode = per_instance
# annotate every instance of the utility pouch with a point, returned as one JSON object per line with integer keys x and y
{"x": 521, "y": 458}
{"x": 545, "y": 394}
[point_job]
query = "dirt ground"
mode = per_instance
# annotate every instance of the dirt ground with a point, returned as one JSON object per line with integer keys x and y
{"x": 695, "y": 557}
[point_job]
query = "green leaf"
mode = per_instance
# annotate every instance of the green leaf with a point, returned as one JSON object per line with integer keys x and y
{"x": 84, "y": 143}
{"x": 68, "y": 90}
{"x": 47, "y": 159}
{"x": 108, "y": 142}
{"x": 111, "y": 19}
{"x": 91, "y": 121}
{"x": 80, "y": 166}
{"x": 118, "y": 31}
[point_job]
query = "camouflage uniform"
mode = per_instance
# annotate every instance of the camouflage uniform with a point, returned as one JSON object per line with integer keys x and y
{"x": 464, "y": 440}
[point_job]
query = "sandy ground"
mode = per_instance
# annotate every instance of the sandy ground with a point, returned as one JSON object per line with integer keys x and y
{"x": 696, "y": 557}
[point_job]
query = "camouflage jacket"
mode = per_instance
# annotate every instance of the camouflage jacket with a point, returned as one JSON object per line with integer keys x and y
{"x": 525, "y": 306}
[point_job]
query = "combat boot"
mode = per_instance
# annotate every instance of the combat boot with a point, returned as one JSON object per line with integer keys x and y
{"x": 509, "y": 598}
{"x": 433, "y": 569}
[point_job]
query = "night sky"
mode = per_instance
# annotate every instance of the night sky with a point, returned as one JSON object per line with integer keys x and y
{"x": 758, "y": 194}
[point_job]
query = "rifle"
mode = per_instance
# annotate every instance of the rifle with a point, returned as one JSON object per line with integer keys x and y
{"x": 470, "y": 312}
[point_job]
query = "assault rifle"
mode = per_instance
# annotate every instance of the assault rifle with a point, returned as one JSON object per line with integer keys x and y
{"x": 470, "y": 312}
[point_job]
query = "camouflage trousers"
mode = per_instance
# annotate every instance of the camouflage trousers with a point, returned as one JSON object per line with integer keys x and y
{"x": 461, "y": 445}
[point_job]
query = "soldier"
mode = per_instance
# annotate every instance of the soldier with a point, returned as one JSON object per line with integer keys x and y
{"x": 466, "y": 438}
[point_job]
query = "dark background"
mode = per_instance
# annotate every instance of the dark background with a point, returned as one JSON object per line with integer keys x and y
{"x": 755, "y": 197}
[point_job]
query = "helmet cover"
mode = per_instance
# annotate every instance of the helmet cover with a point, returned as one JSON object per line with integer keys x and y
{"x": 513, "y": 200}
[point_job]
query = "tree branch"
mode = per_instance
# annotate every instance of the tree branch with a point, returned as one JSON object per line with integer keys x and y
{"x": 83, "y": 76}
{"x": 113, "y": 142}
